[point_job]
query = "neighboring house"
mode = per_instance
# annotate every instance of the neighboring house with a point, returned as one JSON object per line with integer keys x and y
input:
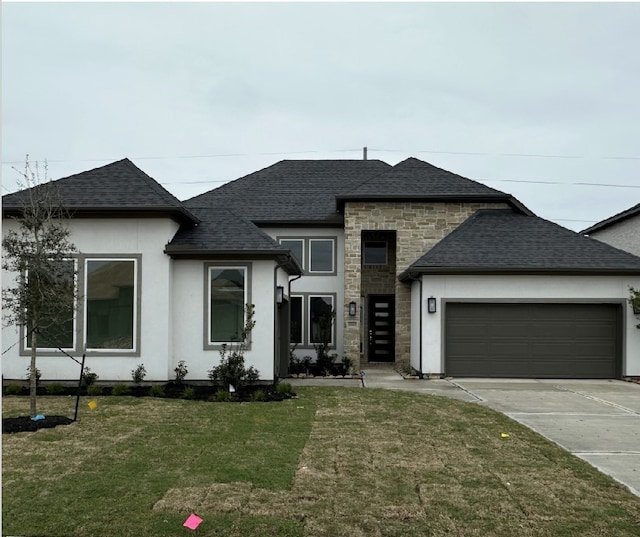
{"x": 420, "y": 266}
{"x": 621, "y": 230}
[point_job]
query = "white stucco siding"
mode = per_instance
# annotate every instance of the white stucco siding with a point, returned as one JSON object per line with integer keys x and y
{"x": 624, "y": 235}
{"x": 144, "y": 240}
{"x": 578, "y": 289}
{"x": 319, "y": 284}
{"x": 190, "y": 316}
{"x": 416, "y": 299}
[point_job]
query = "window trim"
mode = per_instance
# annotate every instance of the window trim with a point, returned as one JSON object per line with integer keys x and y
{"x": 207, "y": 344}
{"x": 80, "y": 309}
{"x": 135, "y": 350}
{"x": 333, "y": 255}
{"x": 306, "y": 328}
{"x": 25, "y": 349}
{"x": 332, "y": 343}
{"x": 302, "y": 320}
{"x": 296, "y": 239}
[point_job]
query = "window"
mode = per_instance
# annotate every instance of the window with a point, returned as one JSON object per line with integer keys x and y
{"x": 375, "y": 253}
{"x": 227, "y": 299}
{"x": 111, "y": 304}
{"x": 57, "y": 324}
{"x": 297, "y": 321}
{"x": 321, "y": 258}
{"x": 297, "y": 248}
{"x": 321, "y": 319}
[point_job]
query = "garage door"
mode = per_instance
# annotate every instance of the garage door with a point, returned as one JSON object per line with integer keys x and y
{"x": 533, "y": 340}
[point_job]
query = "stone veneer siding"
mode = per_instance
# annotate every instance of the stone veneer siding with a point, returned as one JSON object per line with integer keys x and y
{"x": 418, "y": 226}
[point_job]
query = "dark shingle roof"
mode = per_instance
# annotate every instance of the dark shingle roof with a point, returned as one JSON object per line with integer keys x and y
{"x": 223, "y": 232}
{"x": 298, "y": 191}
{"x": 119, "y": 187}
{"x": 629, "y": 213}
{"x": 503, "y": 241}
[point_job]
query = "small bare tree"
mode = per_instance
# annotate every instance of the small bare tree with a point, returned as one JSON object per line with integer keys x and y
{"x": 41, "y": 298}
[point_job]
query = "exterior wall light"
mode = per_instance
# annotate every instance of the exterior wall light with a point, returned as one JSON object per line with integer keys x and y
{"x": 279, "y": 294}
{"x": 431, "y": 304}
{"x": 352, "y": 309}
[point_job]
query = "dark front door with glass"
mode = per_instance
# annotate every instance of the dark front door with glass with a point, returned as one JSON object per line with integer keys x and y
{"x": 381, "y": 328}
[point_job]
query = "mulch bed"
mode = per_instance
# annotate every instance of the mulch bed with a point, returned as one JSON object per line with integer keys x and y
{"x": 26, "y": 424}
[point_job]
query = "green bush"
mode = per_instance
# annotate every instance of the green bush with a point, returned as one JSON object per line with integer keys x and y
{"x": 181, "y": 371}
{"x": 93, "y": 389}
{"x": 284, "y": 388}
{"x": 138, "y": 374}
{"x": 89, "y": 377}
{"x": 120, "y": 389}
{"x": 156, "y": 391}
{"x": 55, "y": 389}
{"x": 223, "y": 396}
{"x": 13, "y": 389}
{"x": 258, "y": 395}
{"x": 188, "y": 393}
{"x": 38, "y": 375}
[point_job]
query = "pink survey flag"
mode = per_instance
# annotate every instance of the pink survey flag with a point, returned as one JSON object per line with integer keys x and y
{"x": 192, "y": 522}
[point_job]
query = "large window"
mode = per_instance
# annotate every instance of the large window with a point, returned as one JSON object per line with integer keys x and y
{"x": 110, "y": 298}
{"x": 227, "y": 299}
{"x": 56, "y": 326}
{"x": 312, "y": 319}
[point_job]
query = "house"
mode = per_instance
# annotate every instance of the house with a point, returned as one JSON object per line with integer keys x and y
{"x": 419, "y": 265}
{"x": 621, "y": 230}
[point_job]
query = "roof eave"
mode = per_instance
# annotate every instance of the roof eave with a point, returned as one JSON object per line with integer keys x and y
{"x": 415, "y": 273}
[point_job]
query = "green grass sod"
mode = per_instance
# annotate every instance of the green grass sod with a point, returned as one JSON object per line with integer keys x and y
{"x": 333, "y": 462}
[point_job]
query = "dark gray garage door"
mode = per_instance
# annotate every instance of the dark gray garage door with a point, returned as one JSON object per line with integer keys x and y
{"x": 533, "y": 340}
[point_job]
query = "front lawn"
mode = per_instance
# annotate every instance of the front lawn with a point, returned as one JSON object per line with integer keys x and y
{"x": 334, "y": 462}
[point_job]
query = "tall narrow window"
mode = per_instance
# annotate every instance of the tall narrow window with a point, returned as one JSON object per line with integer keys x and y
{"x": 321, "y": 255}
{"x": 227, "y": 291}
{"x": 57, "y": 322}
{"x": 296, "y": 319}
{"x": 321, "y": 319}
{"x": 297, "y": 248}
{"x": 110, "y": 304}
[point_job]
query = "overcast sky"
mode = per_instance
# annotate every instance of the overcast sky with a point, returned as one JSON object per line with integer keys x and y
{"x": 538, "y": 100}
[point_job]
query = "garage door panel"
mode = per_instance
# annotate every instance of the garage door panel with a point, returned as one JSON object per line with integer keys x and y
{"x": 533, "y": 340}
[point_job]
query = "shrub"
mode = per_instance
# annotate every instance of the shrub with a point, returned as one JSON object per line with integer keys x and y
{"x": 55, "y": 389}
{"x": 348, "y": 365}
{"x": 89, "y": 377}
{"x": 120, "y": 389}
{"x": 223, "y": 396}
{"x": 188, "y": 393}
{"x": 138, "y": 374}
{"x": 13, "y": 389}
{"x": 258, "y": 395}
{"x": 284, "y": 388}
{"x": 181, "y": 371}
{"x": 38, "y": 375}
{"x": 156, "y": 391}
{"x": 324, "y": 360}
{"x": 231, "y": 370}
{"x": 93, "y": 389}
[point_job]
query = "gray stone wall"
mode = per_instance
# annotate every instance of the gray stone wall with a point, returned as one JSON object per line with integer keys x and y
{"x": 418, "y": 226}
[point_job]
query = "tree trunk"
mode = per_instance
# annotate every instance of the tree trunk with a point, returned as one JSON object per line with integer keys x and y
{"x": 33, "y": 378}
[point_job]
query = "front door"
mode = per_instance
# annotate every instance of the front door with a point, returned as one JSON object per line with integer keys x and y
{"x": 382, "y": 319}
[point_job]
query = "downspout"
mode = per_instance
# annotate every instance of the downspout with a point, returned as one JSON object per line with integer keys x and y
{"x": 276, "y": 328}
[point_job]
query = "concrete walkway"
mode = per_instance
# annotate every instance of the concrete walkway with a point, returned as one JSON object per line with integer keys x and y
{"x": 596, "y": 420}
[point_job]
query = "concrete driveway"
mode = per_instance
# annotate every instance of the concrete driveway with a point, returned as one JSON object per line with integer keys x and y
{"x": 596, "y": 420}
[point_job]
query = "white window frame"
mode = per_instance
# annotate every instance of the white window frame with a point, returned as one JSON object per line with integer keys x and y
{"x": 333, "y": 255}
{"x": 296, "y": 239}
{"x": 25, "y": 348}
{"x": 302, "y": 320}
{"x": 136, "y": 304}
{"x": 310, "y": 343}
{"x": 246, "y": 269}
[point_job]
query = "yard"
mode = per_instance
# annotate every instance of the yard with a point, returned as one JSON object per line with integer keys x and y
{"x": 333, "y": 462}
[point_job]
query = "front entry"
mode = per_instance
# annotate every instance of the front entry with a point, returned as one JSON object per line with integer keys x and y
{"x": 381, "y": 328}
